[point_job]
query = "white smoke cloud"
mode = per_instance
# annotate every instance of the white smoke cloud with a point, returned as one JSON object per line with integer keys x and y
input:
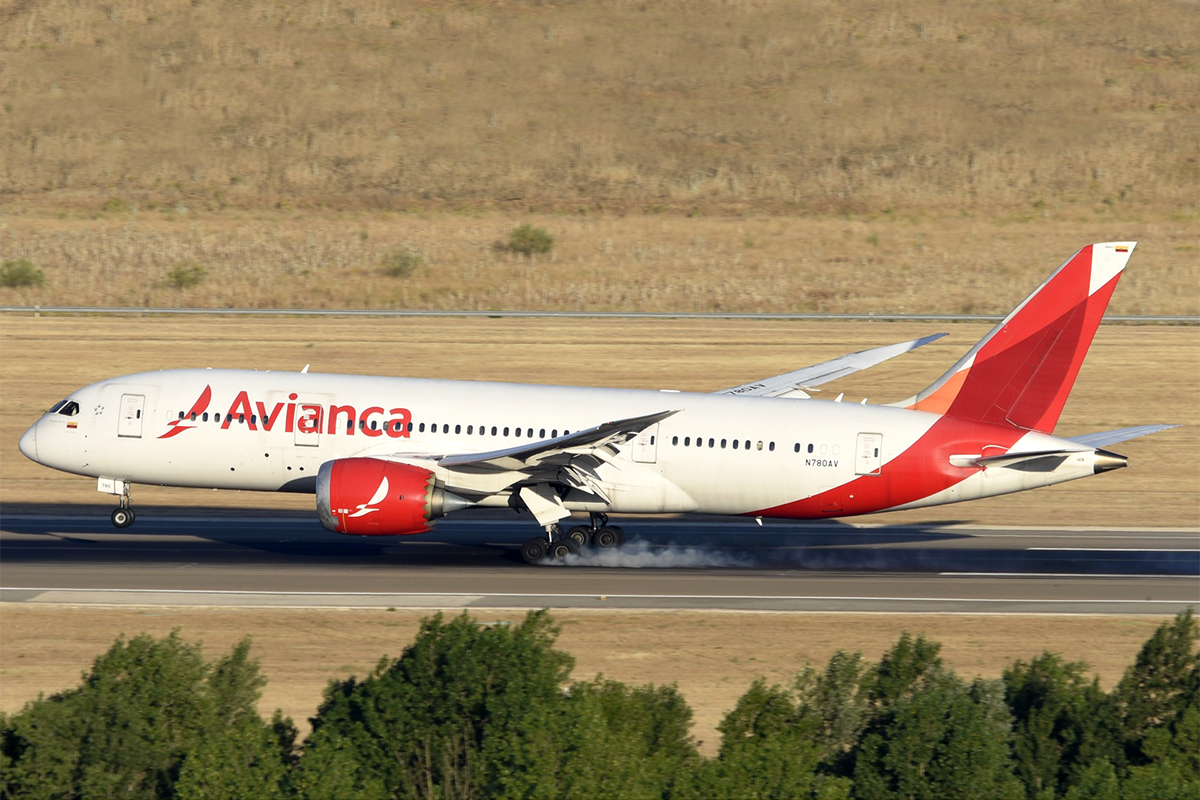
{"x": 640, "y": 555}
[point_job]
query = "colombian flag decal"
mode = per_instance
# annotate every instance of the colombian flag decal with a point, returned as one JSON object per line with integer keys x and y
{"x": 1122, "y": 249}
{"x": 72, "y": 426}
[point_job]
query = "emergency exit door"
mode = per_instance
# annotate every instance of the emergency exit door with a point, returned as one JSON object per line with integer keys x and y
{"x": 868, "y": 456}
{"x": 129, "y": 422}
{"x": 645, "y": 445}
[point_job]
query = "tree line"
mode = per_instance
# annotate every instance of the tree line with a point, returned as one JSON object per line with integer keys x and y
{"x": 471, "y": 710}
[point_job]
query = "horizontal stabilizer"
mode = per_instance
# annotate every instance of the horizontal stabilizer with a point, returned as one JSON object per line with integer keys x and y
{"x": 827, "y": 371}
{"x": 1105, "y": 438}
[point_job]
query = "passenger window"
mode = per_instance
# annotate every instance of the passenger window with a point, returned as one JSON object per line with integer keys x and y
{"x": 493, "y": 430}
{"x": 410, "y": 427}
{"x": 710, "y": 443}
{"x": 722, "y": 444}
{"x": 362, "y": 424}
{"x": 193, "y": 416}
{"x": 139, "y": 412}
{"x": 797, "y": 447}
{"x": 810, "y": 447}
{"x": 421, "y": 428}
{"x": 674, "y": 440}
{"x": 542, "y": 433}
{"x": 204, "y": 416}
{"x": 470, "y": 429}
{"x": 771, "y": 447}
{"x": 759, "y": 446}
{"x": 735, "y": 444}
{"x": 458, "y": 428}
{"x": 517, "y": 432}
{"x": 241, "y": 419}
{"x": 181, "y": 415}
{"x": 445, "y": 427}
{"x": 374, "y": 425}
{"x": 687, "y": 441}
{"x": 554, "y": 433}
{"x": 529, "y": 433}
{"x": 253, "y": 419}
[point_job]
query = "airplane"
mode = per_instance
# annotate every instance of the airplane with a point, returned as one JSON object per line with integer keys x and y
{"x": 389, "y": 456}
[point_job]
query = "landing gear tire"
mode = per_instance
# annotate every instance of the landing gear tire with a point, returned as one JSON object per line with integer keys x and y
{"x": 123, "y": 517}
{"x": 561, "y": 548}
{"x": 606, "y": 537}
{"x": 620, "y": 532}
{"x": 534, "y": 550}
{"x": 580, "y": 535}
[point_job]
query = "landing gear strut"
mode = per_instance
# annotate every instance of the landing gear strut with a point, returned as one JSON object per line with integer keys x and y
{"x": 123, "y": 516}
{"x": 557, "y": 544}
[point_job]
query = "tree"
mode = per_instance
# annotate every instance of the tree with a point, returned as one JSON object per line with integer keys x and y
{"x": 466, "y": 711}
{"x": 141, "y": 712}
{"x": 928, "y": 733}
{"x": 1063, "y": 724}
{"x": 1156, "y": 694}
{"x": 621, "y": 741}
{"x": 763, "y": 753}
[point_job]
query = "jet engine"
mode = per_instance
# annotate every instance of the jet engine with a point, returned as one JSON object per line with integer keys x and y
{"x": 373, "y": 497}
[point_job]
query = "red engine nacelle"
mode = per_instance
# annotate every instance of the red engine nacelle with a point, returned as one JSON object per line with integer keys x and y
{"x": 372, "y": 497}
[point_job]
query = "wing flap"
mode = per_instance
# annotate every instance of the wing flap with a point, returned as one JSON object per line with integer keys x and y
{"x": 826, "y": 371}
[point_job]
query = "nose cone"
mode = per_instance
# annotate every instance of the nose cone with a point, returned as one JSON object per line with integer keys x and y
{"x": 28, "y": 443}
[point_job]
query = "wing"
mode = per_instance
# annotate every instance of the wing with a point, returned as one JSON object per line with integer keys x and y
{"x": 606, "y": 437}
{"x": 796, "y": 381}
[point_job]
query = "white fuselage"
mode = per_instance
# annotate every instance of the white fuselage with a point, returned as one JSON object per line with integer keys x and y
{"x": 719, "y": 454}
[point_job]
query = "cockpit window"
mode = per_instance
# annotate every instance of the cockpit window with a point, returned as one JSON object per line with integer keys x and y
{"x": 70, "y": 409}
{"x": 57, "y": 406}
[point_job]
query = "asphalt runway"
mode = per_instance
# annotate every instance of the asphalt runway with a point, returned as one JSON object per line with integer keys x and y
{"x": 668, "y": 564}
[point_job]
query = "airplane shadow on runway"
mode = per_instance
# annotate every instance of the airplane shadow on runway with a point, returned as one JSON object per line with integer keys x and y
{"x": 162, "y": 537}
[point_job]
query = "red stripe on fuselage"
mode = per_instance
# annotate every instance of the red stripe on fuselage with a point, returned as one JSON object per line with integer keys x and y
{"x": 922, "y": 470}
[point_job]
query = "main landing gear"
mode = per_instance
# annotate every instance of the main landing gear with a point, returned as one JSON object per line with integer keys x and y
{"x": 557, "y": 544}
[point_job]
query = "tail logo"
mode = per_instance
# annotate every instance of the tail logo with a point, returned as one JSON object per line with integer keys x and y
{"x": 178, "y": 426}
{"x": 380, "y": 493}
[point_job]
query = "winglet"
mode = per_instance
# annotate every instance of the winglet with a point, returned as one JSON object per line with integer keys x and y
{"x": 1021, "y": 373}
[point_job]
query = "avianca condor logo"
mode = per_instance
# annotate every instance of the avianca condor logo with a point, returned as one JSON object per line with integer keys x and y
{"x": 380, "y": 493}
{"x": 311, "y": 418}
{"x": 178, "y": 426}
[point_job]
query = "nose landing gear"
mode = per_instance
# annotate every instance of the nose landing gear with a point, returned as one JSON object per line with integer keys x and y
{"x": 122, "y": 516}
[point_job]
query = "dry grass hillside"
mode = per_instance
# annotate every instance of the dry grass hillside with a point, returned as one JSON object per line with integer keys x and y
{"x": 712, "y": 105}
{"x": 851, "y": 156}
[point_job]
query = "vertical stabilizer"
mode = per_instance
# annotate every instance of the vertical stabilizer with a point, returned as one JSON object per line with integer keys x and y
{"x": 1021, "y": 373}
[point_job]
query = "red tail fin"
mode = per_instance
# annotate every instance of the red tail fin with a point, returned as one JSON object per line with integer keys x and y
{"x": 1021, "y": 373}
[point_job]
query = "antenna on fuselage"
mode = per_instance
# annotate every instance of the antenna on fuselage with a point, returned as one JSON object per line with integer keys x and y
{"x": 305, "y": 370}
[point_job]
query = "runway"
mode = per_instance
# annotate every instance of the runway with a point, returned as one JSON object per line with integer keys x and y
{"x": 668, "y": 564}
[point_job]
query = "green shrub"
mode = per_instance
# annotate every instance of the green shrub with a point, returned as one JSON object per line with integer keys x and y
{"x": 21, "y": 272}
{"x": 527, "y": 240}
{"x": 116, "y": 205}
{"x": 400, "y": 263}
{"x": 185, "y": 275}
